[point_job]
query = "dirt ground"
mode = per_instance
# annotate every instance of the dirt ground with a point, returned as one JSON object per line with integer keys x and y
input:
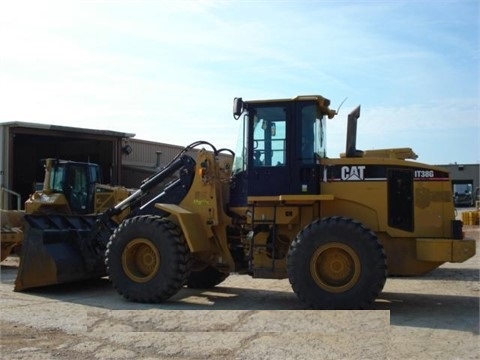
{"x": 431, "y": 317}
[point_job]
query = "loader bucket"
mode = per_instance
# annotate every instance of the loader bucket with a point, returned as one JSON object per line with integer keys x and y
{"x": 58, "y": 249}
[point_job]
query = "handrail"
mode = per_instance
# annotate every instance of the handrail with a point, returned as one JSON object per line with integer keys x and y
{"x": 11, "y": 192}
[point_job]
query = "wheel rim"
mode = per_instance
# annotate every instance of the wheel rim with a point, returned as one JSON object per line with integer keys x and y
{"x": 140, "y": 260}
{"x": 335, "y": 267}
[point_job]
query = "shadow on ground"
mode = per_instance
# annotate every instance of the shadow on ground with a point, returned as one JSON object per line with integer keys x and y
{"x": 406, "y": 309}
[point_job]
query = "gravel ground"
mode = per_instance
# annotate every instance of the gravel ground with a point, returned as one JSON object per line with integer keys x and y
{"x": 431, "y": 317}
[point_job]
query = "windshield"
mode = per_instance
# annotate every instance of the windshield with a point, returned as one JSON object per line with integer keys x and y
{"x": 57, "y": 178}
{"x": 240, "y": 160}
{"x": 269, "y": 138}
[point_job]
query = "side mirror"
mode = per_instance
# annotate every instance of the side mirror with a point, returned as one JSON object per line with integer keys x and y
{"x": 237, "y": 108}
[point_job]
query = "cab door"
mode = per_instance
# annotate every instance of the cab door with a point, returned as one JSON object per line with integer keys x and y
{"x": 269, "y": 149}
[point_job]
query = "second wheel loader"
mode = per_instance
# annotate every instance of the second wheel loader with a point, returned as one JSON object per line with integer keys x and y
{"x": 280, "y": 208}
{"x": 69, "y": 188}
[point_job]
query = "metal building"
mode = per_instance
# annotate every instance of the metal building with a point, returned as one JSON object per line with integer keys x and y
{"x": 24, "y": 145}
{"x": 466, "y": 183}
{"x": 141, "y": 158}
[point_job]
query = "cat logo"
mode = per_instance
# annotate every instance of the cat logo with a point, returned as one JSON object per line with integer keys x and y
{"x": 353, "y": 173}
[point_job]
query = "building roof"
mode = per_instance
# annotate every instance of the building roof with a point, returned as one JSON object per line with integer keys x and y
{"x": 29, "y": 125}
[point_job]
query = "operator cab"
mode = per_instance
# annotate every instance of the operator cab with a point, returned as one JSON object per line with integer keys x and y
{"x": 279, "y": 146}
{"x": 76, "y": 180}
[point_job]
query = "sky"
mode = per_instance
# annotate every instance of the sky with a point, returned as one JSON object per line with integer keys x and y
{"x": 168, "y": 71}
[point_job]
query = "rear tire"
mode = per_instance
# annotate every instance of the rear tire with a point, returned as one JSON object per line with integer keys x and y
{"x": 147, "y": 259}
{"x": 336, "y": 263}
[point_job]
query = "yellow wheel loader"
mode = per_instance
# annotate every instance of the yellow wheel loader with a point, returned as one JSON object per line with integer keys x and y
{"x": 333, "y": 227}
{"x": 280, "y": 208}
{"x": 70, "y": 191}
{"x": 68, "y": 188}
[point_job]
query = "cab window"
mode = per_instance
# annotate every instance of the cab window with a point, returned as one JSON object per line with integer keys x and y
{"x": 269, "y": 136}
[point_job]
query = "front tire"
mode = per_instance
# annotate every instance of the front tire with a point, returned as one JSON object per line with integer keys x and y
{"x": 147, "y": 259}
{"x": 336, "y": 263}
